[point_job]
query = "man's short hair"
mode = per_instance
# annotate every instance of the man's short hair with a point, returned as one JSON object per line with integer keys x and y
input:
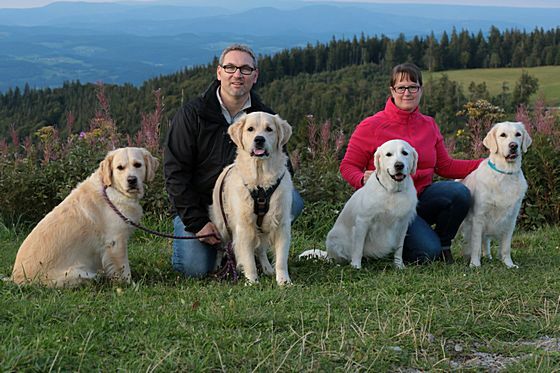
{"x": 238, "y": 47}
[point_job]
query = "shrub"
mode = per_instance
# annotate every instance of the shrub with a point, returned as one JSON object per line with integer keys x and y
{"x": 36, "y": 178}
{"x": 541, "y": 166}
{"x": 317, "y": 177}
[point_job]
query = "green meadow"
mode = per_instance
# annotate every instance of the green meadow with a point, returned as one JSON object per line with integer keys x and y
{"x": 548, "y": 76}
{"x": 332, "y": 319}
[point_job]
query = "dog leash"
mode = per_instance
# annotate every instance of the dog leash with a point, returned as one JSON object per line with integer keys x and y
{"x": 227, "y": 270}
{"x": 136, "y": 225}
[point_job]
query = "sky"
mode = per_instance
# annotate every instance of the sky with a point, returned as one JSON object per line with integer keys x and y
{"x": 514, "y": 3}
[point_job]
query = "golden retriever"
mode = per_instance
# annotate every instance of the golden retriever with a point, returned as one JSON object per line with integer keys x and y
{"x": 82, "y": 237}
{"x": 497, "y": 188}
{"x": 260, "y": 163}
{"x": 374, "y": 221}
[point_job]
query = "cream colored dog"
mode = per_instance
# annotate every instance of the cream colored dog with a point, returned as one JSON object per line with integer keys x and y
{"x": 82, "y": 237}
{"x": 497, "y": 188}
{"x": 374, "y": 221}
{"x": 260, "y": 163}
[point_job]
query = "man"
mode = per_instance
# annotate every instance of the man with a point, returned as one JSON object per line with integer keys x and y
{"x": 198, "y": 148}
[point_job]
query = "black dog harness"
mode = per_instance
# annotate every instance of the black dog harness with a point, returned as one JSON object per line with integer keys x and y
{"x": 261, "y": 200}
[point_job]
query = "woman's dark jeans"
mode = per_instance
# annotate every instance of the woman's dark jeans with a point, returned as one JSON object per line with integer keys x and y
{"x": 442, "y": 206}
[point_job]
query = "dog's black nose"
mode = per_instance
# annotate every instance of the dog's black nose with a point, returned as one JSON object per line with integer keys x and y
{"x": 132, "y": 180}
{"x": 399, "y": 166}
{"x": 513, "y": 147}
{"x": 259, "y": 140}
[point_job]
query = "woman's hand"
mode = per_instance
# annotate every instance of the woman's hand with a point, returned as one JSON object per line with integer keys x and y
{"x": 366, "y": 176}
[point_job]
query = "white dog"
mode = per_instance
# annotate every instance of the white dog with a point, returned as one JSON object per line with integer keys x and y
{"x": 497, "y": 188}
{"x": 82, "y": 237}
{"x": 253, "y": 196}
{"x": 374, "y": 221}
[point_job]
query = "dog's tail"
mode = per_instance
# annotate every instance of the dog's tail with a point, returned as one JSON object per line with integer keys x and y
{"x": 314, "y": 254}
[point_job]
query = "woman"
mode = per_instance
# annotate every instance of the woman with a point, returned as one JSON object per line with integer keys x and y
{"x": 443, "y": 205}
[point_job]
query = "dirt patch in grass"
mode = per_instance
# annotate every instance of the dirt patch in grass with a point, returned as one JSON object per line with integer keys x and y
{"x": 478, "y": 356}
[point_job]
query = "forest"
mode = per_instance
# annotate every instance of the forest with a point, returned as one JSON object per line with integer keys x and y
{"x": 340, "y": 81}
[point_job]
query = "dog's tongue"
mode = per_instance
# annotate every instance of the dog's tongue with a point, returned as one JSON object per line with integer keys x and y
{"x": 399, "y": 177}
{"x": 258, "y": 151}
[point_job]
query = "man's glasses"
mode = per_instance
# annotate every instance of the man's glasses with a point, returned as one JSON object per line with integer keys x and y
{"x": 411, "y": 89}
{"x": 245, "y": 69}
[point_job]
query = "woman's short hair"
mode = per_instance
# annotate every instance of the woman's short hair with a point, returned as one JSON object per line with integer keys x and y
{"x": 238, "y": 47}
{"x": 406, "y": 70}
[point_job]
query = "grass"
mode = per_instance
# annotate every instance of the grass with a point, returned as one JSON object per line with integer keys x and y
{"x": 333, "y": 318}
{"x": 548, "y": 76}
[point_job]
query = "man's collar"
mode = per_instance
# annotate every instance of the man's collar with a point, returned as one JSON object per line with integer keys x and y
{"x": 231, "y": 118}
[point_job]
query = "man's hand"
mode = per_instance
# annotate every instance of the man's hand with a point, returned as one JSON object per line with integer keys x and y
{"x": 209, "y": 228}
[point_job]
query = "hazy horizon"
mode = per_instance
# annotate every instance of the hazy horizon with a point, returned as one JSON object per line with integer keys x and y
{"x": 504, "y": 3}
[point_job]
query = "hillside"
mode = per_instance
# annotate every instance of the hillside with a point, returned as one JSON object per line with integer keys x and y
{"x": 496, "y": 79}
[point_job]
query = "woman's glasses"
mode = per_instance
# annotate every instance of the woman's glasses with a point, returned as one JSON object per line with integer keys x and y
{"x": 412, "y": 89}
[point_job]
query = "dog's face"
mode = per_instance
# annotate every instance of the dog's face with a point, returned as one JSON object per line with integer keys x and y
{"x": 126, "y": 169}
{"x": 508, "y": 140}
{"x": 260, "y": 134}
{"x": 397, "y": 158}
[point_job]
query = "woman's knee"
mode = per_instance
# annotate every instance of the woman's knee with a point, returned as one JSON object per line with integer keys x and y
{"x": 461, "y": 196}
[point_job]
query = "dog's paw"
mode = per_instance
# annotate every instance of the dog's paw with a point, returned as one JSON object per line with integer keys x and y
{"x": 510, "y": 264}
{"x": 475, "y": 264}
{"x": 251, "y": 281}
{"x": 283, "y": 280}
{"x": 356, "y": 265}
{"x": 267, "y": 269}
{"x": 313, "y": 254}
{"x": 399, "y": 265}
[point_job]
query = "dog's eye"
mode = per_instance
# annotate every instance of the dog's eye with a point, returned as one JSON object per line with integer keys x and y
{"x": 503, "y": 134}
{"x": 120, "y": 167}
{"x": 404, "y": 152}
{"x": 389, "y": 154}
{"x": 250, "y": 129}
{"x": 268, "y": 129}
{"x": 137, "y": 164}
{"x": 518, "y": 134}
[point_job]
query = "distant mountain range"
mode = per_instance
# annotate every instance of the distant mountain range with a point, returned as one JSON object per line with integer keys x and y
{"x": 131, "y": 42}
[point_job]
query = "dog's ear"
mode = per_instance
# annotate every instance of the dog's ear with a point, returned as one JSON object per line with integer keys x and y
{"x": 377, "y": 159}
{"x": 152, "y": 164}
{"x": 284, "y": 131}
{"x": 414, "y": 161}
{"x": 106, "y": 169}
{"x": 490, "y": 141}
{"x": 235, "y": 131}
{"x": 526, "y": 140}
